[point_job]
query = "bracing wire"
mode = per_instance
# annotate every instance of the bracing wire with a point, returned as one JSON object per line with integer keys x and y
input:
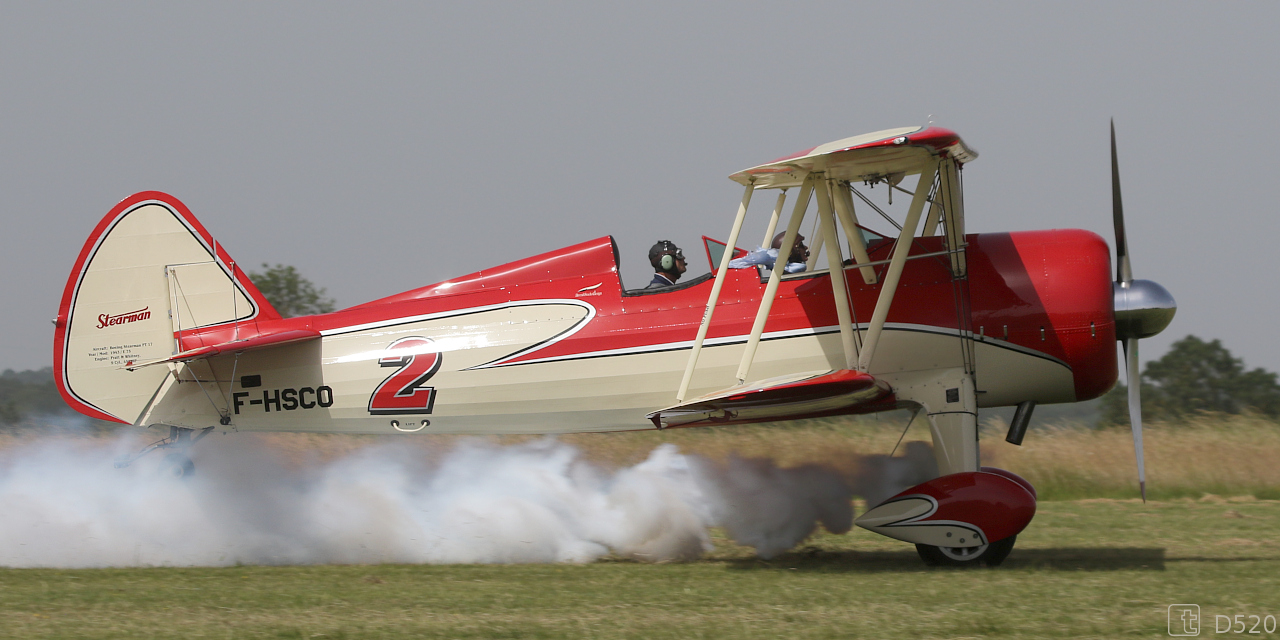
{"x": 915, "y": 412}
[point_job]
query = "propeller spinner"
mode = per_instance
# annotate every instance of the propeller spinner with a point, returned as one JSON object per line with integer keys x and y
{"x": 1143, "y": 308}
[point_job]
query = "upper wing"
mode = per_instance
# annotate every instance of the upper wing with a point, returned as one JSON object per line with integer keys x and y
{"x": 801, "y": 395}
{"x": 902, "y": 151}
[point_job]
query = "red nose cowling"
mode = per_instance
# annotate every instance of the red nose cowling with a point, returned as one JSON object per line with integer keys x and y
{"x": 1052, "y": 289}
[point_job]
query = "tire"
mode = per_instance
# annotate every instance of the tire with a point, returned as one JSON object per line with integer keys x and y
{"x": 177, "y": 466}
{"x": 999, "y": 550}
{"x": 990, "y": 554}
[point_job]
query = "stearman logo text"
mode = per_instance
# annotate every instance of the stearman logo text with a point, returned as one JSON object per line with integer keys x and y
{"x": 105, "y": 320}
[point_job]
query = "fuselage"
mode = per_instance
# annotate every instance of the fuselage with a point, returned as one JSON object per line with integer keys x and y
{"x": 553, "y": 343}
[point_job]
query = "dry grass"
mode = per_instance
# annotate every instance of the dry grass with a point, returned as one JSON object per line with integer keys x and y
{"x": 1219, "y": 455}
{"x": 1222, "y": 455}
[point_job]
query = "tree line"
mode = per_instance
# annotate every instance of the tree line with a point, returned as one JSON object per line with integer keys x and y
{"x": 1196, "y": 377}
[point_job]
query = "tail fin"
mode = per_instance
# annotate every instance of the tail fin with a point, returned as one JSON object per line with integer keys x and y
{"x": 148, "y": 271}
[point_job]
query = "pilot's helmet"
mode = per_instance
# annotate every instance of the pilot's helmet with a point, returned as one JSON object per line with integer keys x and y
{"x": 664, "y": 254}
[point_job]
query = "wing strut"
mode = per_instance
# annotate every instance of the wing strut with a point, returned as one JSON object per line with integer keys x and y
{"x": 771, "y": 289}
{"x": 835, "y": 264}
{"x": 849, "y": 220}
{"x": 773, "y": 220}
{"x": 896, "y": 265}
{"x": 953, "y": 208}
{"x": 720, "y": 275}
{"x": 819, "y": 236}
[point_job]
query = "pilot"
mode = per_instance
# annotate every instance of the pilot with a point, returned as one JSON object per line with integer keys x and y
{"x": 668, "y": 264}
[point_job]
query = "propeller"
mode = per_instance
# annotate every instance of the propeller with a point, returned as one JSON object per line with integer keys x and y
{"x": 1143, "y": 308}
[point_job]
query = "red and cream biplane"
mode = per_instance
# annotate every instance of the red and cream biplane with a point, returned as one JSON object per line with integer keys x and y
{"x": 158, "y": 326}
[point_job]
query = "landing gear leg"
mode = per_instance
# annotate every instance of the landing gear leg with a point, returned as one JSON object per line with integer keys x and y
{"x": 953, "y": 422}
{"x": 949, "y": 399}
{"x": 177, "y": 463}
{"x": 951, "y": 403}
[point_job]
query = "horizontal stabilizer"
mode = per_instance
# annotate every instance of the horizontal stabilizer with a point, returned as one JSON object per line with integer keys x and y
{"x": 256, "y": 342}
{"x": 791, "y": 397}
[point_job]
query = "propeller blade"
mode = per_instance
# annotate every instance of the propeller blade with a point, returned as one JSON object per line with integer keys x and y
{"x": 1135, "y": 409}
{"x": 1124, "y": 274}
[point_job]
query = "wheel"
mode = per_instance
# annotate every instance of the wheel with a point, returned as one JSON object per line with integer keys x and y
{"x": 999, "y": 550}
{"x": 991, "y": 554}
{"x": 177, "y": 465}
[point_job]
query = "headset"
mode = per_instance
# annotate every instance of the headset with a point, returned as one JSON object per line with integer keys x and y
{"x": 664, "y": 254}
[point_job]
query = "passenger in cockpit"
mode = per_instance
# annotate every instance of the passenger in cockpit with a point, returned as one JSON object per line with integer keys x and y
{"x": 795, "y": 262}
{"x": 799, "y": 252}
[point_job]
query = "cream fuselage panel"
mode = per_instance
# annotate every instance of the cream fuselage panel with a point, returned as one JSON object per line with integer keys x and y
{"x": 348, "y": 364}
{"x": 1006, "y": 374}
{"x": 476, "y": 392}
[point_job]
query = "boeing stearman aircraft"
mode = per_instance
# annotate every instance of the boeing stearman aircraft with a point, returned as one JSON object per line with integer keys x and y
{"x": 159, "y": 327}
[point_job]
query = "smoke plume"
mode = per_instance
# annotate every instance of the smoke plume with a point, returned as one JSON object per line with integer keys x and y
{"x": 62, "y": 504}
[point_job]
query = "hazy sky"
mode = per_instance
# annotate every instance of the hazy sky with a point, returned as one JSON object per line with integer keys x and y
{"x": 381, "y": 147}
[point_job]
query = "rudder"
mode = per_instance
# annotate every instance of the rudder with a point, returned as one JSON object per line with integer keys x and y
{"x": 148, "y": 271}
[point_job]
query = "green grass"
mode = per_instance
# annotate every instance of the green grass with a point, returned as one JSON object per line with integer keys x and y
{"x": 1087, "y": 568}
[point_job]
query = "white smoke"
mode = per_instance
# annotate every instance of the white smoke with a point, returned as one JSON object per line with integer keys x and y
{"x": 62, "y": 504}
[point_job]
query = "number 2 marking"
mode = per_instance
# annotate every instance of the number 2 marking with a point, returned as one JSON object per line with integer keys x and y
{"x": 402, "y": 392}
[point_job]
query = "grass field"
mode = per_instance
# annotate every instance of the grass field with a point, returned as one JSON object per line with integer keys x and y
{"x": 1086, "y": 567}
